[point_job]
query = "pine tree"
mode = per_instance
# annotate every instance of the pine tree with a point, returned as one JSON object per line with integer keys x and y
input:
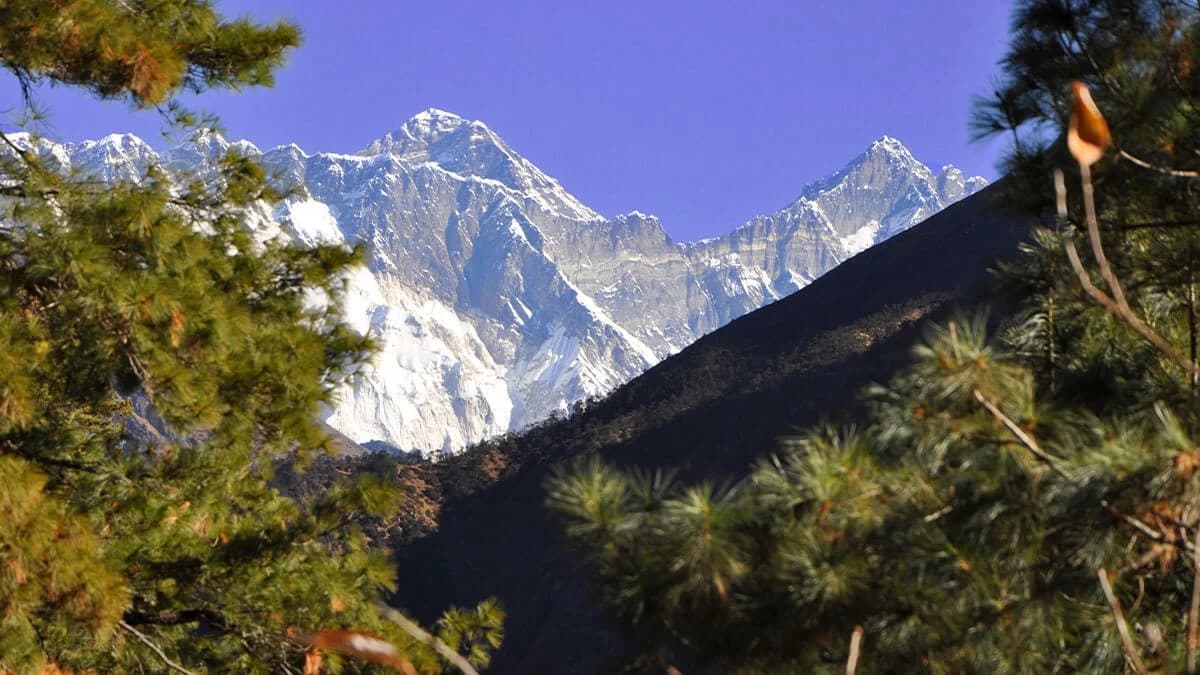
{"x": 1020, "y": 499}
{"x": 121, "y": 555}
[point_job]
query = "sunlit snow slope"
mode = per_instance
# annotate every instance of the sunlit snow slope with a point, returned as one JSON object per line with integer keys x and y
{"x": 498, "y": 298}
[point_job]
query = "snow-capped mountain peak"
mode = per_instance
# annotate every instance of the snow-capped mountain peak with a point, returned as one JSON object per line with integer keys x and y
{"x": 116, "y": 144}
{"x": 429, "y": 126}
{"x": 890, "y": 145}
{"x": 498, "y": 298}
{"x": 428, "y": 129}
{"x": 114, "y": 157}
{"x": 470, "y": 149}
{"x": 205, "y": 147}
{"x": 436, "y": 116}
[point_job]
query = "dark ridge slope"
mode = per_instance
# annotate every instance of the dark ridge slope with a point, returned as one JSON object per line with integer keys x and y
{"x": 710, "y": 409}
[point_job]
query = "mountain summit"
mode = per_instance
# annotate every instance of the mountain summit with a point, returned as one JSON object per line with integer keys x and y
{"x": 470, "y": 148}
{"x": 500, "y": 299}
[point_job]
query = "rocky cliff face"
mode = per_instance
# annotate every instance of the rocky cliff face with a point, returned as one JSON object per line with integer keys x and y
{"x": 499, "y": 298}
{"x": 669, "y": 294}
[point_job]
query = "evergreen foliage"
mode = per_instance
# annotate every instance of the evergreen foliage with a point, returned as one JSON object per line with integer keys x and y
{"x": 965, "y": 522}
{"x": 122, "y": 555}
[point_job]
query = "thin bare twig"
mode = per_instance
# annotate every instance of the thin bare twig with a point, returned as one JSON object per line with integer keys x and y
{"x": 157, "y": 650}
{"x": 929, "y": 518}
{"x": 1093, "y": 226}
{"x": 21, "y": 152}
{"x": 1115, "y": 304}
{"x": 1137, "y": 524}
{"x": 1137, "y": 602}
{"x": 1122, "y": 627}
{"x": 856, "y": 639}
{"x": 419, "y": 633}
{"x": 1124, "y": 313}
{"x": 1016, "y": 430}
{"x": 1180, "y": 173}
{"x": 1032, "y": 445}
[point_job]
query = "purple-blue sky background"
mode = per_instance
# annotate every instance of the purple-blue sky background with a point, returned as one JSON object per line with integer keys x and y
{"x": 705, "y": 113}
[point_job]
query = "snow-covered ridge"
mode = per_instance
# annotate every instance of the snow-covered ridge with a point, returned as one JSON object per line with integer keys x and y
{"x": 498, "y": 297}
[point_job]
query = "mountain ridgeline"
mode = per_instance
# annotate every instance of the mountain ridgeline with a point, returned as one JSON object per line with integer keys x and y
{"x": 498, "y": 298}
{"x": 474, "y": 525}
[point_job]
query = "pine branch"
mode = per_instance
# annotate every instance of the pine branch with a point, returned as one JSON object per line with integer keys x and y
{"x": 1143, "y": 527}
{"x": 1124, "y": 314}
{"x": 21, "y": 152}
{"x": 1020, "y": 434}
{"x": 419, "y": 633}
{"x": 1032, "y": 445}
{"x": 1093, "y": 226}
{"x": 1122, "y": 627}
{"x": 1116, "y": 304}
{"x": 157, "y": 650}
{"x": 10, "y": 446}
{"x": 1179, "y": 173}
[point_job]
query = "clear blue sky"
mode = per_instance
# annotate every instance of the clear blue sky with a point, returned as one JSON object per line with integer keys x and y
{"x": 704, "y": 113}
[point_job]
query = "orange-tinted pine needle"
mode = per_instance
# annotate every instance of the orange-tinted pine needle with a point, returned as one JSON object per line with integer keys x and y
{"x": 1087, "y": 137}
{"x": 365, "y": 646}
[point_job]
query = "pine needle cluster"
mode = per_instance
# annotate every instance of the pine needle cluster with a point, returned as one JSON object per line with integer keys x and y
{"x": 122, "y": 554}
{"x": 1024, "y": 497}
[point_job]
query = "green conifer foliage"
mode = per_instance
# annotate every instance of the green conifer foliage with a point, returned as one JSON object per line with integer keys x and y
{"x": 118, "y": 555}
{"x": 966, "y": 521}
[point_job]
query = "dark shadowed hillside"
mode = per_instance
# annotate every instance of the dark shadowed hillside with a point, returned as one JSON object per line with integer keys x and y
{"x": 710, "y": 410}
